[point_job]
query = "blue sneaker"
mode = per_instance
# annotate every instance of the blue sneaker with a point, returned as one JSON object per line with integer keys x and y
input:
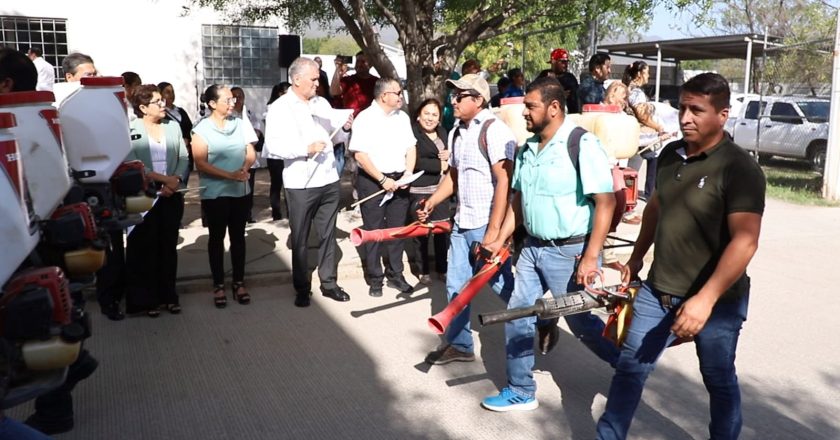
{"x": 508, "y": 400}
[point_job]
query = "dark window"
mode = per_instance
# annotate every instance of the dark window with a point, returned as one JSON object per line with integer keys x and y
{"x": 784, "y": 112}
{"x": 815, "y": 111}
{"x": 23, "y": 32}
{"x": 753, "y": 109}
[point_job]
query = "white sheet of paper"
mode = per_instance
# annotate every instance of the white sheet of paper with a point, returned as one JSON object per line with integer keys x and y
{"x": 402, "y": 182}
{"x": 336, "y": 117}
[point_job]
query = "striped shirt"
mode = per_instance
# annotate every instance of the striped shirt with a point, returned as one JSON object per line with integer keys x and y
{"x": 476, "y": 184}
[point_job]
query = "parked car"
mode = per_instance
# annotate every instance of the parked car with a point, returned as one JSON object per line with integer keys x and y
{"x": 786, "y": 126}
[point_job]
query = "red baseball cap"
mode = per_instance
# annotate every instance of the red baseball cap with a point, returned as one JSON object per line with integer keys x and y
{"x": 559, "y": 54}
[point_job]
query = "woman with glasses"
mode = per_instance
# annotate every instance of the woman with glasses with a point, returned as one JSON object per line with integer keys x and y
{"x": 433, "y": 160}
{"x": 151, "y": 256}
{"x": 223, "y": 150}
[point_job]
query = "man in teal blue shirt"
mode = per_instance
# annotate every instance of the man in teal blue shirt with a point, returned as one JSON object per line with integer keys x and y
{"x": 566, "y": 211}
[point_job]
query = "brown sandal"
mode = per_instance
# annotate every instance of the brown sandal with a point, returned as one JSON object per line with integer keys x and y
{"x": 219, "y": 301}
{"x": 241, "y": 298}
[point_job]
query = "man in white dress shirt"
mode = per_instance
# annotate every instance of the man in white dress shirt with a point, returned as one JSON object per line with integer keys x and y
{"x": 297, "y": 130}
{"x": 384, "y": 145}
{"x": 46, "y": 71}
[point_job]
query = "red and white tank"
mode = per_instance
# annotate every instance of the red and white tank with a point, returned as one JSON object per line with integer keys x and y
{"x": 38, "y": 136}
{"x": 95, "y": 128}
{"x": 17, "y": 231}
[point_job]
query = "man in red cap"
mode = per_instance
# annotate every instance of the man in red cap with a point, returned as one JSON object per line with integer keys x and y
{"x": 560, "y": 66}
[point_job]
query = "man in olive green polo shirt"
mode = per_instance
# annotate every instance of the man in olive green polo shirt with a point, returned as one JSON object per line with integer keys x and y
{"x": 566, "y": 211}
{"x": 704, "y": 220}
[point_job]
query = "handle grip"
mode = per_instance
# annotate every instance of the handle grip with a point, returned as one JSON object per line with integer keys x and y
{"x": 508, "y": 315}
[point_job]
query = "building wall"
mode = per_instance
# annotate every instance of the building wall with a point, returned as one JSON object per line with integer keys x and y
{"x": 150, "y": 37}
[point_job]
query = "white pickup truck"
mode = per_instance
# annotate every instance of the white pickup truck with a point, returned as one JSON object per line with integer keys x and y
{"x": 787, "y": 126}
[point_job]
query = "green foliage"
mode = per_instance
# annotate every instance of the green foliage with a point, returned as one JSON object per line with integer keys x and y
{"x": 800, "y": 22}
{"x": 341, "y": 45}
{"x": 795, "y": 182}
{"x": 466, "y": 28}
{"x": 706, "y": 65}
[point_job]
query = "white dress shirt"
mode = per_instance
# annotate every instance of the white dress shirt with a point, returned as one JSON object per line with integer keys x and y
{"x": 46, "y": 74}
{"x": 385, "y": 137}
{"x": 291, "y": 125}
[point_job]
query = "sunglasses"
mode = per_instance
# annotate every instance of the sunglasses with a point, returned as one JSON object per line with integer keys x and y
{"x": 457, "y": 98}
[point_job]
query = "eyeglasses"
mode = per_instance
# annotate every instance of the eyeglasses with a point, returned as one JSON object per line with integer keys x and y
{"x": 397, "y": 94}
{"x": 457, "y": 98}
{"x": 229, "y": 101}
{"x": 160, "y": 103}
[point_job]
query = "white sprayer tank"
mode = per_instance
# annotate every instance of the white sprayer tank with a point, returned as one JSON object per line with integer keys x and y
{"x": 94, "y": 125}
{"x": 510, "y": 111}
{"x": 38, "y": 136}
{"x": 18, "y": 238}
{"x": 617, "y": 131}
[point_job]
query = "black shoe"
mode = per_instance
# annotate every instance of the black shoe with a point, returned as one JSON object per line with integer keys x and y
{"x": 250, "y": 221}
{"x": 548, "y": 336}
{"x": 400, "y": 284}
{"x": 448, "y": 354}
{"x": 336, "y": 293}
{"x": 113, "y": 312}
{"x": 302, "y": 299}
{"x": 49, "y": 426}
{"x": 375, "y": 291}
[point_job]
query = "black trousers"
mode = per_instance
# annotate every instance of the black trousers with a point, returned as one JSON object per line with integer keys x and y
{"x": 252, "y": 177}
{"x": 226, "y": 214}
{"x": 392, "y": 215}
{"x": 275, "y": 192}
{"x": 151, "y": 257}
{"x": 316, "y": 207}
{"x": 110, "y": 279}
{"x": 419, "y": 258}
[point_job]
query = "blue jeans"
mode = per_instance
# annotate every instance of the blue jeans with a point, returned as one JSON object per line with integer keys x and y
{"x": 13, "y": 430}
{"x": 460, "y": 268}
{"x": 542, "y": 268}
{"x": 649, "y": 335}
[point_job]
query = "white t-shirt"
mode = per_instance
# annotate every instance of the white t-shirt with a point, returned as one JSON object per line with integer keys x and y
{"x": 385, "y": 137}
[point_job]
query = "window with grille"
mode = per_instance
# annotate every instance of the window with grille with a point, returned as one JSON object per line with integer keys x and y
{"x": 240, "y": 55}
{"x": 49, "y": 34}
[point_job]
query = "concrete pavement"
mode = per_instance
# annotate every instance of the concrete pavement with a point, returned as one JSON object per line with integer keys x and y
{"x": 354, "y": 370}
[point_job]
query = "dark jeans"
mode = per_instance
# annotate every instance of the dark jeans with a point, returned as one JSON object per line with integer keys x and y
{"x": 316, "y": 207}
{"x": 420, "y": 255}
{"x": 649, "y": 335}
{"x": 226, "y": 214}
{"x": 110, "y": 279}
{"x": 14, "y": 430}
{"x": 275, "y": 192}
{"x": 392, "y": 215}
{"x": 152, "y": 258}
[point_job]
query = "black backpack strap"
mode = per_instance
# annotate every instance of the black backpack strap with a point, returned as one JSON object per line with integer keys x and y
{"x": 482, "y": 140}
{"x": 573, "y": 144}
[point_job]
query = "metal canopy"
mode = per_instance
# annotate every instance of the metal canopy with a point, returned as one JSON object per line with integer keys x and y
{"x": 744, "y": 46}
{"x": 700, "y": 48}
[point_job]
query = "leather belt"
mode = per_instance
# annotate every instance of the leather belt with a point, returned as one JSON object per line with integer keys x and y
{"x": 575, "y": 239}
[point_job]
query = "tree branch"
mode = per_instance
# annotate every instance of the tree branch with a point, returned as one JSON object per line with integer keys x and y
{"x": 347, "y": 19}
{"x": 395, "y": 20}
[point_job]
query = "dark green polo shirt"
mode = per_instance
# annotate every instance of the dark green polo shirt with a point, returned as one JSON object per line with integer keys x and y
{"x": 695, "y": 196}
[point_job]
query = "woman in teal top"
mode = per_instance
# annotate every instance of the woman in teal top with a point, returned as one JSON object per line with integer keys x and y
{"x": 151, "y": 251}
{"x": 223, "y": 151}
